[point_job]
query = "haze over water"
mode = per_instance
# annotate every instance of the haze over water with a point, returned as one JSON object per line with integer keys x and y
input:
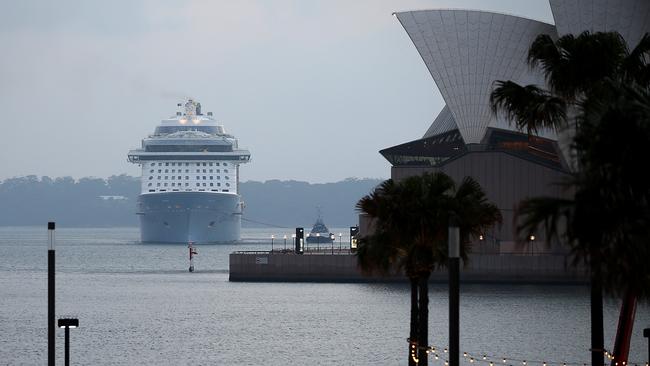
{"x": 137, "y": 304}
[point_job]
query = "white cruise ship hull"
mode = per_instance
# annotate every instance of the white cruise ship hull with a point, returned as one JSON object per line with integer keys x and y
{"x": 180, "y": 217}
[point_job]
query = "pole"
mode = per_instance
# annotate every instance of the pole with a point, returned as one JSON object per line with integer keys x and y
{"x": 272, "y": 238}
{"x": 50, "y": 295}
{"x": 285, "y": 243}
{"x": 191, "y": 256}
{"x": 67, "y": 346}
{"x": 454, "y": 295}
{"x": 646, "y": 333}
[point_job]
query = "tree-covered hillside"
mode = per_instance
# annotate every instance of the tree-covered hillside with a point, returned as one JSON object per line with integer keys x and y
{"x": 95, "y": 202}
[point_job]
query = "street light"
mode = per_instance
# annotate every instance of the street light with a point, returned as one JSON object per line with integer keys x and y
{"x": 646, "y": 333}
{"x": 317, "y": 242}
{"x": 454, "y": 292}
{"x": 51, "y": 288}
{"x": 285, "y": 242}
{"x": 68, "y": 323}
{"x": 332, "y": 241}
{"x": 340, "y": 238}
{"x": 531, "y": 239}
{"x": 272, "y": 238}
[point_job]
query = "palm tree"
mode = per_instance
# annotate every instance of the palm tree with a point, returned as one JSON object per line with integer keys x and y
{"x": 411, "y": 219}
{"x": 579, "y": 72}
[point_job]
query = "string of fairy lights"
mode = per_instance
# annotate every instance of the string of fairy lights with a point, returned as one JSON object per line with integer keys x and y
{"x": 493, "y": 360}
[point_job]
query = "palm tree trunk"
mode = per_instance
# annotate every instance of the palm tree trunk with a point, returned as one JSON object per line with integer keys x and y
{"x": 624, "y": 331}
{"x": 423, "y": 319}
{"x": 597, "y": 337}
{"x": 413, "y": 334}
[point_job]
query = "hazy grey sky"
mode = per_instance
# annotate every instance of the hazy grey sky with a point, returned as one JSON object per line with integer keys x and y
{"x": 313, "y": 88}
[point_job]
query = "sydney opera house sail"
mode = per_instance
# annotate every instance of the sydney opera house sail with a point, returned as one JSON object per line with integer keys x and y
{"x": 630, "y": 18}
{"x": 466, "y": 51}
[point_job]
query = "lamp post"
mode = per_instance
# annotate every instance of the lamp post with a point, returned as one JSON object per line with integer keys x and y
{"x": 454, "y": 293}
{"x": 332, "y": 241}
{"x": 285, "y": 242}
{"x": 317, "y": 242}
{"x": 340, "y": 241}
{"x": 67, "y": 323}
{"x": 50, "y": 294}
{"x": 272, "y": 238}
{"x": 531, "y": 239}
{"x": 646, "y": 333}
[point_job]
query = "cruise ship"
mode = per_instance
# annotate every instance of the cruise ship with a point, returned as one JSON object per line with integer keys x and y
{"x": 190, "y": 180}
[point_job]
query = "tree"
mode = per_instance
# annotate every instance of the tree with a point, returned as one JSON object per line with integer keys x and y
{"x": 411, "y": 221}
{"x": 584, "y": 74}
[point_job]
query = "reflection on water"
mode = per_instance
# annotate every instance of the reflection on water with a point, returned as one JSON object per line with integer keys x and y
{"x": 137, "y": 304}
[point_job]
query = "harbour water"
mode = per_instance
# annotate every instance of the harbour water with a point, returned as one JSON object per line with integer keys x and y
{"x": 137, "y": 304}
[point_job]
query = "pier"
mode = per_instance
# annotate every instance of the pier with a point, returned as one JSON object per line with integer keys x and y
{"x": 341, "y": 266}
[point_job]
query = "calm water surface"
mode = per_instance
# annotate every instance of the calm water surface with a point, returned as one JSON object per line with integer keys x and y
{"x": 138, "y": 305}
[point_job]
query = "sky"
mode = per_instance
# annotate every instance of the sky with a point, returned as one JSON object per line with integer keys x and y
{"x": 314, "y": 89}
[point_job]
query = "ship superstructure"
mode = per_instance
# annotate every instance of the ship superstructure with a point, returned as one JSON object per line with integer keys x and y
{"x": 190, "y": 180}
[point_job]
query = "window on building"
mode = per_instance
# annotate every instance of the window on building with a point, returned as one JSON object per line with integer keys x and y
{"x": 165, "y": 184}
{"x": 217, "y": 164}
{"x": 225, "y": 164}
{"x": 210, "y": 164}
{"x": 210, "y": 170}
{"x": 152, "y": 164}
{"x": 218, "y": 184}
{"x": 173, "y": 164}
{"x": 187, "y": 170}
{"x": 218, "y": 171}
{"x": 173, "y": 184}
{"x": 159, "y": 170}
{"x": 203, "y": 170}
{"x": 166, "y": 164}
{"x": 151, "y": 171}
{"x": 198, "y": 170}
{"x": 227, "y": 177}
{"x": 166, "y": 170}
{"x": 158, "y": 177}
{"x": 166, "y": 177}
{"x": 187, "y": 177}
{"x": 198, "y": 184}
{"x": 187, "y": 184}
{"x": 225, "y": 170}
{"x": 218, "y": 177}
{"x": 198, "y": 164}
{"x": 211, "y": 185}
{"x": 173, "y": 170}
{"x": 225, "y": 190}
{"x": 204, "y": 177}
{"x": 227, "y": 184}
{"x": 187, "y": 164}
{"x": 151, "y": 177}
{"x": 204, "y": 164}
{"x": 204, "y": 184}
{"x": 149, "y": 185}
{"x": 157, "y": 184}
{"x": 179, "y": 177}
{"x": 152, "y": 190}
{"x": 159, "y": 164}
{"x": 211, "y": 177}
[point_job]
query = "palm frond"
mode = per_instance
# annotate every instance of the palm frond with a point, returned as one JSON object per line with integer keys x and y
{"x": 529, "y": 107}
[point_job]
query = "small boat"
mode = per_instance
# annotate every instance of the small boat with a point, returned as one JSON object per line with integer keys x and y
{"x": 320, "y": 234}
